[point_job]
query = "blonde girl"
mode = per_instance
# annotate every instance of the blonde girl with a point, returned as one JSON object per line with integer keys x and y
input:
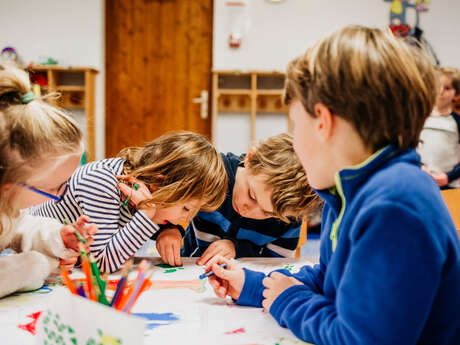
{"x": 40, "y": 147}
{"x": 144, "y": 193}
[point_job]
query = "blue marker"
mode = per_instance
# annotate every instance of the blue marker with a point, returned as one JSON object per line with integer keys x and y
{"x": 210, "y": 272}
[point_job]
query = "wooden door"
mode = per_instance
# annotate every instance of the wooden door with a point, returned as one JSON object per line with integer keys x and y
{"x": 158, "y": 58}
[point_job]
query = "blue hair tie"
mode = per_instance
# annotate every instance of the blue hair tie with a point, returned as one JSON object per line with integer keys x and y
{"x": 27, "y": 97}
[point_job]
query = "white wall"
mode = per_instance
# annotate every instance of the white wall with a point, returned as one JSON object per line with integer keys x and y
{"x": 73, "y": 32}
{"x": 70, "y": 31}
{"x": 279, "y": 32}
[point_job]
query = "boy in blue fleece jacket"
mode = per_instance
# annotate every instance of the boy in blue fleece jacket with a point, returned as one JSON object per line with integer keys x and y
{"x": 389, "y": 269}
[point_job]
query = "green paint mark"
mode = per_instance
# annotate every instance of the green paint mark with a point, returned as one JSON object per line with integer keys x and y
{"x": 175, "y": 269}
{"x": 169, "y": 269}
{"x": 91, "y": 341}
{"x": 289, "y": 267}
{"x": 74, "y": 341}
{"x": 70, "y": 329}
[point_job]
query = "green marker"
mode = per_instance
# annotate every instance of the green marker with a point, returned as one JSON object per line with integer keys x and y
{"x": 135, "y": 187}
{"x": 79, "y": 236}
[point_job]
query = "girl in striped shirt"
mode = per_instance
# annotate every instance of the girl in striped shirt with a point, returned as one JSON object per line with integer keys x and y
{"x": 141, "y": 194}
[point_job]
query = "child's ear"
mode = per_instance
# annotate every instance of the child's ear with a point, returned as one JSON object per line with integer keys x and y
{"x": 249, "y": 155}
{"x": 5, "y": 188}
{"x": 325, "y": 121}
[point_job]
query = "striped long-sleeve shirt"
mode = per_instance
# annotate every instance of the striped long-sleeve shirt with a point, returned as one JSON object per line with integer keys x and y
{"x": 252, "y": 238}
{"x": 93, "y": 191}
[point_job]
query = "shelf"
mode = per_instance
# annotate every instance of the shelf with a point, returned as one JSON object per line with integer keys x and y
{"x": 234, "y": 92}
{"x": 45, "y": 68}
{"x": 77, "y": 88}
{"x": 270, "y": 92}
{"x": 70, "y": 88}
{"x": 253, "y": 92}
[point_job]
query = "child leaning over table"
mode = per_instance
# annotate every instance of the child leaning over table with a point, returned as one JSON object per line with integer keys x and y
{"x": 268, "y": 195}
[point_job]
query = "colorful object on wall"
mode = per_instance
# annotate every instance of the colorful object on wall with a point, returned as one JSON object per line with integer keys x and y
{"x": 237, "y": 15}
{"x": 398, "y": 11}
{"x": 400, "y": 27}
{"x": 9, "y": 56}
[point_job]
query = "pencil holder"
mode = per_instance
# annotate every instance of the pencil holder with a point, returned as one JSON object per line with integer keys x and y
{"x": 70, "y": 319}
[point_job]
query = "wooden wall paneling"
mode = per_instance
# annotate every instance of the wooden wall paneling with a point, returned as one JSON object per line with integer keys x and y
{"x": 200, "y": 40}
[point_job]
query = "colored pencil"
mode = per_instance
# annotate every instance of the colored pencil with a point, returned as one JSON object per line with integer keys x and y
{"x": 79, "y": 236}
{"x": 146, "y": 284}
{"x": 122, "y": 282}
{"x": 68, "y": 282}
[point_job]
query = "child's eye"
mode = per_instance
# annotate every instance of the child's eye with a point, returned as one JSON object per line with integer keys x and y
{"x": 186, "y": 209}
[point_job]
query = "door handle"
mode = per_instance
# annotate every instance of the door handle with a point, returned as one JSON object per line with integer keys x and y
{"x": 204, "y": 103}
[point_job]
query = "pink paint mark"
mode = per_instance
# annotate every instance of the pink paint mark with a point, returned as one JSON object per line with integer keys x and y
{"x": 31, "y": 326}
{"x": 175, "y": 284}
{"x": 239, "y": 330}
{"x": 159, "y": 284}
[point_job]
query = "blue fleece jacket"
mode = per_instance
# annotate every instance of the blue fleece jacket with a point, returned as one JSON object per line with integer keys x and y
{"x": 389, "y": 269}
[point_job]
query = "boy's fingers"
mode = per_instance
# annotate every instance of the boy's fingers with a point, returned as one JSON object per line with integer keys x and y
{"x": 177, "y": 254}
{"x": 218, "y": 259}
{"x": 206, "y": 256}
{"x": 222, "y": 273}
{"x": 267, "y": 282}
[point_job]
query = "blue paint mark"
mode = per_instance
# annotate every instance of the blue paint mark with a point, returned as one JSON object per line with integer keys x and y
{"x": 155, "y": 325}
{"x": 158, "y": 317}
{"x": 167, "y": 318}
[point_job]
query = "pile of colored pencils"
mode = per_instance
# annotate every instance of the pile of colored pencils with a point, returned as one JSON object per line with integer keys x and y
{"x": 94, "y": 285}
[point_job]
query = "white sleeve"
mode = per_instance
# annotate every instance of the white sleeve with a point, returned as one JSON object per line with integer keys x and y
{"x": 25, "y": 271}
{"x": 31, "y": 233}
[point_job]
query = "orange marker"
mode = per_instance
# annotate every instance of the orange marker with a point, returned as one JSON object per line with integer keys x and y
{"x": 68, "y": 282}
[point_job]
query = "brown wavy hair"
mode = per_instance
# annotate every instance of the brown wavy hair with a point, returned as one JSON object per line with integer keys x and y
{"x": 291, "y": 193}
{"x": 29, "y": 133}
{"x": 180, "y": 166}
{"x": 381, "y": 85}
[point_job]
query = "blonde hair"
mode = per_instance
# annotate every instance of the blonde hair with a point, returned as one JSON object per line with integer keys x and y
{"x": 29, "y": 133}
{"x": 383, "y": 86}
{"x": 276, "y": 160}
{"x": 180, "y": 166}
{"x": 454, "y": 75}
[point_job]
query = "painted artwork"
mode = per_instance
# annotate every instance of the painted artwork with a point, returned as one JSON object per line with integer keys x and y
{"x": 178, "y": 308}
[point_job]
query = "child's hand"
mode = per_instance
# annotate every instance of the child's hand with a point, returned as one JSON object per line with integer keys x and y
{"x": 425, "y": 169}
{"x": 224, "y": 248}
{"x": 136, "y": 196}
{"x": 228, "y": 281}
{"x": 441, "y": 179}
{"x": 69, "y": 262}
{"x": 86, "y": 230}
{"x": 168, "y": 245}
{"x": 275, "y": 284}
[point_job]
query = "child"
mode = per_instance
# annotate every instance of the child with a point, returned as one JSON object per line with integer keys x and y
{"x": 40, "y": 147}
{"x": 389, "y": 269}
{"x": 175, "y": 175}
{"x": 260, "y": 214}
{"x": 440, "y": 139}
